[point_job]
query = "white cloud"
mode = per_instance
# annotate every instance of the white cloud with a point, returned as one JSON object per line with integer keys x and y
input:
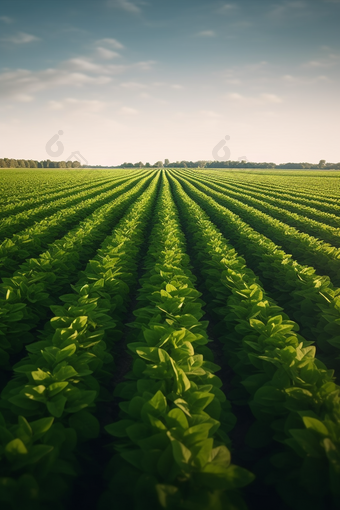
{"x": 106, "y": 54}
{"x": 233, "y": 81}
{"x": 145, "y": 65}
{"x": 236, "y": 96}
{"x": 271, "y": 98}
{"x": 84, "y": 64}
{"x": 72, "y": 104}
{"x": 227, "y": 8}
{"x": 259, "y": 100}
{"x": 21, "y": 85}
{"x": 23, "y": 98}
{"x": 210, "y": 114}
{"x": 206, "y": 33}
{"x": 133, "y": 85}
{"x": 21, "y": 38}
{"x": 110, "y": 42}
{"x": 331, "y": 60}
{"x": 6, "y": 19}
{"x": 124, "y": 5}
{"x": 290, "y": 79}
{"x": 128, "y": 111}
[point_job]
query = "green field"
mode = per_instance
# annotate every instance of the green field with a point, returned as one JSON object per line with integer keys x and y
{"x": 169, "y": 339}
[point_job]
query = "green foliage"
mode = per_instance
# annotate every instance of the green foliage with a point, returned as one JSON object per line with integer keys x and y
{"x": 170, "y": 426}
{"x": 292, "y": 394}
{"x": 170, "y": 443}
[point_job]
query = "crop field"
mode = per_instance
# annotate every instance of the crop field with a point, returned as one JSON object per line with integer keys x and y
{"x": 169, "y": 339}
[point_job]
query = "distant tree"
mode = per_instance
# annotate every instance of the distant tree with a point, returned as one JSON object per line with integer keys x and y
{"x": 69, "y": 164}
{"x": 147, "y": 165}
{"x": 166, "y": 162}
{"x": 322, "y": 163}
{"x": 76, "y": 164}
{"x": 2, "y": 163}
{"x": 158, "y": 164}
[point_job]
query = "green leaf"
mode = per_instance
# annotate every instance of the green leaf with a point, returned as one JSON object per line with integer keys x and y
{"x": 55, "y": 388}
{"x": 14, "y": 449}
{"x": 118, "y": 428}
{"x": 196, "y": 433}
{"x": 177, "y": 418}
{"x": 156, "y": 406}
{"x": 316, "y": 425}
{"x": 79, "y": 322}
{"x": 267, "y": 396}
{"x": 181, "y": 453}
{"x": 40, "y": 427}
{"x": 56, "y": 406}
{"x": 66, "y": 352}
{"x": 36, "y": 453}
{"x": 64, "y": 372}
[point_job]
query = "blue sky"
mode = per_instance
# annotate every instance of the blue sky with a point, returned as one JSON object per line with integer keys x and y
{"x": 134, "y": 80}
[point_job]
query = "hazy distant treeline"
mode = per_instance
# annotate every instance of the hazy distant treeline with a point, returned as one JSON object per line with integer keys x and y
{"x": 30, "y": 163}
{"x": 232, "y": 164}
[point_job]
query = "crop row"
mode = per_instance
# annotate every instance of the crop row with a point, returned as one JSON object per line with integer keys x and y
{"x": 171, "y": 427}
{"x": 56, "y": 387}
{"x": 36, "y": 199}
{"x": 308, "y": 298}
{"x": 305, "y": 248}
{"x": 292, "y": 395}
{"x": 31, "y": 241}
{"x": 306, "y": 183}
{"x": 16, "y": 186}
{"x": 306, "y": 224}
{"x": 25, "y": 298}
{"x": 278, "y": 192}
{"x": 170, "y": 451}
{"x": 14, "y": 223}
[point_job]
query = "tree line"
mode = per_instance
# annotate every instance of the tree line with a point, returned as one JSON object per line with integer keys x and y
{"x": 31, "y": 163}
{"x": 322, "y": 165}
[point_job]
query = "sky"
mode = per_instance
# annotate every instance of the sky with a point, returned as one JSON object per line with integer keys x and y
{"x": 132, "y": 80}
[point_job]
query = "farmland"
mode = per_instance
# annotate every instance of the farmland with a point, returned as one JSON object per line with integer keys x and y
{"x": 169, "y": 338}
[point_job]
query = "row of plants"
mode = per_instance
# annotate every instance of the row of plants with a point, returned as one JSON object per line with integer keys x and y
{"x": 305, "y": 223}
{"x": 327, "y": 205}
{"x": 308, "y": 298}
{"x": 16, "y": 186}
{"x": 170, "y": 449}
{"x": 33, "y": 240}
{"x": 36, "y": 199}
{"x": 49, "y": 406}
{"x": 305, "y": 248}
{"x": 292, "y": 395}
{"x": 25, "y": 298}
{"x": 15, "y": 223}
{"x": 305, "y": 184}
